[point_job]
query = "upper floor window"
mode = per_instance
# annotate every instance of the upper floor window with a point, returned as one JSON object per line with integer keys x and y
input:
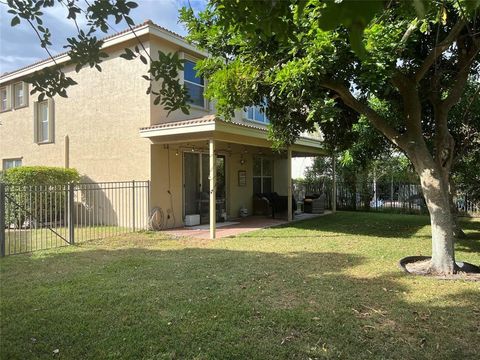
{"x": 44, "y": 118}
{"x": 4, "y": 98}
{"x": 194, "y": 84}
{"x": 20, "y": 93}
{"x": 14, "y": 96}
{"x": 11, "y": 163}
{"x": 256, "y": 113}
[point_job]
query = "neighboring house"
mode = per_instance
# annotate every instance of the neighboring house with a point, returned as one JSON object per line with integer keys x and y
{"x": 110, "y": 130}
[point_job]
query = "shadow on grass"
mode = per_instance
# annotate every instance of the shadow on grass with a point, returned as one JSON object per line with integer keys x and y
{"x": 360, "y": 223}
{"x": 471, "y": 243}
{"x": 205, "y": 303}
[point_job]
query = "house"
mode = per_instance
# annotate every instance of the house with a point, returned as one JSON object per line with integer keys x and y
{"x": 110, "y": 130}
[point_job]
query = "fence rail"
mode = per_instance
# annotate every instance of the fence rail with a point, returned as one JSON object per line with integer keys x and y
{"x": 46, "y": 216}
{"x": 380, "y": 196}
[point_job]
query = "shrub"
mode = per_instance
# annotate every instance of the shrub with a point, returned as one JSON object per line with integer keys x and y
{"x": 40, "y": 175}
{"x": 37, "y": 195}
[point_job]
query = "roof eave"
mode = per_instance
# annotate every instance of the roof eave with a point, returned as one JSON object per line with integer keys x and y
{"x": 217, "y": 126}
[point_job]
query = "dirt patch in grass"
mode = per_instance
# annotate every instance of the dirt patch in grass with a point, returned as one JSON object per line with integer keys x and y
{"x": 422, "y": 267}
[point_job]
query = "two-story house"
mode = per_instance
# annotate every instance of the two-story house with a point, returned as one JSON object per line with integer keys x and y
{"x": 110, "y": 130}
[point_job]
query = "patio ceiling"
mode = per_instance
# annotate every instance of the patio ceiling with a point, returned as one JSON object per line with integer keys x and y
{"x": 211, "y": 127}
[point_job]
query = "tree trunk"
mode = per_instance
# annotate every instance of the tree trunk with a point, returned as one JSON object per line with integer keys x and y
{"x": 436, "y": 193}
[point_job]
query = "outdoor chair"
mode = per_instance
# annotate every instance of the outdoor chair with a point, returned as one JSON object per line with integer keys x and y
{"x": 271, "y": 203}
{"x": 314, "y": 204}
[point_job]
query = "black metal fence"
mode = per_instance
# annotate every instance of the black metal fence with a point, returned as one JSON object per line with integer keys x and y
{"x": 381, "y": 196}
{"x": 46, "y": 216}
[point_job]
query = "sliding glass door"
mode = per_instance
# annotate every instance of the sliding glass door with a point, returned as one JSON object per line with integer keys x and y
{"x": 197, "y": 185}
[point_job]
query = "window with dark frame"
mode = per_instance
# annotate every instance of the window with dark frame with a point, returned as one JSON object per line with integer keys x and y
{"x": 4, "y": 103}
{"x": 194, "y": 84}
{"x": 11, "y": 163}
{"x": 43, "y": 119}
{"x": 18, "y": 95}
{"x": 262, "y": 175}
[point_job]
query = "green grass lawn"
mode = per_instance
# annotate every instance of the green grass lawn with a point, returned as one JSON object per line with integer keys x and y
{"x": 324, "y": 288}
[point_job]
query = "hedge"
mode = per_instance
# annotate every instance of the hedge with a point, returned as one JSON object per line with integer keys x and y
{"x": 37, "y": 195}
{"x": 40, "y": 175}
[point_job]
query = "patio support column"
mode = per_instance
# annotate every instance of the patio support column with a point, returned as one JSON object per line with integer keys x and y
{"x": 213, "y": 185}
{"x": 289, "y": 184}
{"x": 334, "y": 185}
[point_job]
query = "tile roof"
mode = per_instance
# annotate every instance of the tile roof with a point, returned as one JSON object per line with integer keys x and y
{"x": 207, "y": 119}
{"x": 212, "y": 119}
{"x": 136, "y": 27}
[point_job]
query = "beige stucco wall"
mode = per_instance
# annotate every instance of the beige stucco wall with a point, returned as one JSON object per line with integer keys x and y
{"x": 167, "y": 183}
{"x": 101, "y": 116}
{"x": 239, "y": 196}
{"x": 280, "y": 171}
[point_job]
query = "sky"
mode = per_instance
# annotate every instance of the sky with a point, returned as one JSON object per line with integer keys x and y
{"x": 19, "y": 45}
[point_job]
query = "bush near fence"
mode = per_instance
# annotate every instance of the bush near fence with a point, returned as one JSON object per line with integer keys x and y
{"x": 25, "y": 183}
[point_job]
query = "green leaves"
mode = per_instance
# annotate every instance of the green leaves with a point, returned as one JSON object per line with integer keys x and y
{"x": 420, "y": 7}
{"x": 165, "y": 83}
{"x": 128, "y": 54}
{"x": 353, "y": 15}
{"x": 15, "y": 21}
{"x": 49, "y": 82}
{"x": 85, "y": 50}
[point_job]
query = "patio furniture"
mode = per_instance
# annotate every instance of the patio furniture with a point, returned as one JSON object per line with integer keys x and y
{"x": 271, "y": 203}
{"x": 203, "y": 205}
{"x": 314, "y": 204}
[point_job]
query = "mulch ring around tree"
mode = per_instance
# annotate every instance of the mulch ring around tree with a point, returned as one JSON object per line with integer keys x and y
{"x": 420, "y": 265}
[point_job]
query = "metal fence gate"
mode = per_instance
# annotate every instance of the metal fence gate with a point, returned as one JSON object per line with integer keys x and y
{"x": 46, "y": 216}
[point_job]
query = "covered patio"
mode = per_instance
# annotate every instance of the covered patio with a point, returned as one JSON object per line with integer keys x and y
{"x": 207, "y": 144}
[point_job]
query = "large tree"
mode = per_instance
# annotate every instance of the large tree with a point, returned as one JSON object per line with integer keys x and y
{"x": 400, "y": 66}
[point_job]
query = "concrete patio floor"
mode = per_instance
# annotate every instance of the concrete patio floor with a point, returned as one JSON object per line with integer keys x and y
{"x": 237, "y": 226}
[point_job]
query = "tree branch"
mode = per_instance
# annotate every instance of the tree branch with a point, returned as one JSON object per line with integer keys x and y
{"x": 438, "y": 50}
{"x": 412, "y": 105}
{"x": 40, "y": 38}
{"x": 465, "y": 61}
{"x": 377, "y": 121}
{"x": 444, "y": 141}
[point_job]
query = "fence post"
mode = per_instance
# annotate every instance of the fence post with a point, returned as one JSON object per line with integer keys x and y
{"x": 149, "y": 204}
{"x": 133, "y": 205}
{"x": 2, "y": 219}
{"x": 71, "y": 203}
{"x": 334, "y": 181}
